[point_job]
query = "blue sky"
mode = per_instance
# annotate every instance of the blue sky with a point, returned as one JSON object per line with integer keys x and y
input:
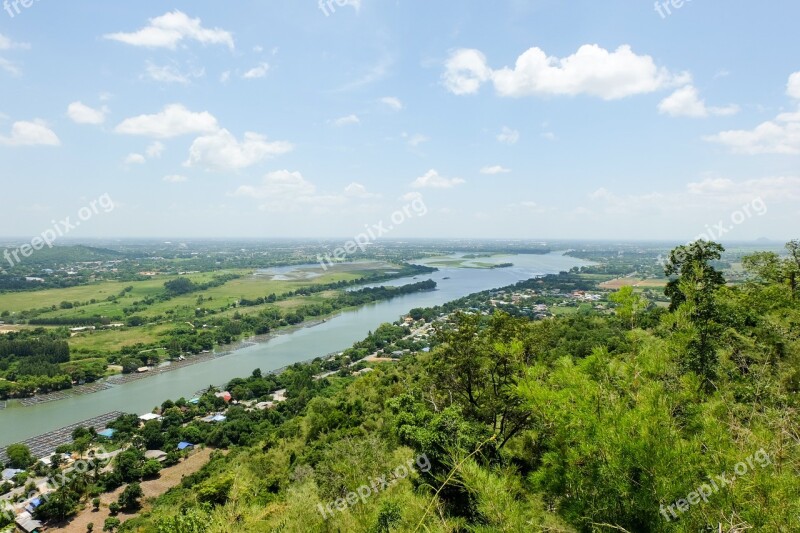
{"x": 523, "y": 118}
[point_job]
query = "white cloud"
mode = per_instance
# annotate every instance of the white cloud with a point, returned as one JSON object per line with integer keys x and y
{"x": 415, "y": 140}
{"x": 7, "y": 44}
{"x": 709, "y": 197}
{"x": 175, "y": 178}
{"x": 496, "y": 169}
{"x": 222, "y": 151}
{"x": 256, "y": 72}
{"x": 278, "y": 185}
{"x": 356, "y": 190}
{"x": 24, "y": 133}
{"x": 710, "y": 185}
{"x": 83, "y": 114}
{"x": 155, "y": 150}
{"x": 168, "y": 30}
{"x": 9, "y": 67}
{"x": 171, "y": 74}
{"x": 686, "y": 102}
{"x": 225, "y": 76}
{"x": 392, "y": 102}
{"x": 793, "y": 87}
{"x": 736, "y": 194}
{"x": 778, "y": 136}
{"x": 592, "y": 70}
{"x": 347, "y": 120}
{"x": 508, "y": 136}
{"x": 135, "y": 159}
{"x": 432, "y": 180}
{"x": 173, "y": 121}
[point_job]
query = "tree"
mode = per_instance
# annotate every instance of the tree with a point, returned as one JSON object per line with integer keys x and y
{"x": 769, "y": 267}
{"x": 96, "y": 504}
{"x": 111, "y": 524}
{"x": 59, "y": 506}
{"x": 113, "y": 508}
{"x": 480, "y": 372}
{"x": 629, "y": 305}
{"x": 90, "y": 527}
{"x": 693, "y": 293}
{"x": 129, "y": 499}
{"x": 19, "y": 456}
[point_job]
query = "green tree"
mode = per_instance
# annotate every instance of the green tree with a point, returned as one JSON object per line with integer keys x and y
{"x": 629, "y": 305}
{"x": 111, "y": 524}
{"x": 693, "y": 292}
{"x": 19, "y": 456}
{"x": 130, "y": 498}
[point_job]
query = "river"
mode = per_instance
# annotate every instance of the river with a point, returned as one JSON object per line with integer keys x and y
{"x": 19, "y": 423}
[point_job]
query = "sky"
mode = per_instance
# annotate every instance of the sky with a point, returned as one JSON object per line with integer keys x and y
{"x": 540, "y": 119}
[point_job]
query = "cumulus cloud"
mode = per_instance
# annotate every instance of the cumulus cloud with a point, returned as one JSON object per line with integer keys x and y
{"x": 393, "y": 102}
{"x": 135, "y": 159}
{"x": 686, "y": 102}
{"x": 155, "y": 150}
{"x": 256, "y": 72}
{"x": 170, "y": 29}
{"x": 175, "y": 120}
{"x": 152, "y": 151}
{"x": 347, "y": 120}
{"x": 793, "y": 87}
{"x": 778, "y": 136}
{"x": 496, "y": 169}
{"x": 24, "y": 133}
{"x": 83, "y": 114}
{"x": 508, "y": 136}
{"x": 591, "y": 70}
{"x": 222, "y": 151}
{"x": 415, "y": 140}
{"x": 171, "y": 74}
{"x": 716, "y": 195}
{"x": 356, "y": 190}
{"x": 433, "y": 180}
{"x": 7, "y": 44}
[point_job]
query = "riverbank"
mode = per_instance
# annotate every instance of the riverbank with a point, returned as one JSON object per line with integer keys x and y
{"x": 284, "y": 348}
{"x": 120, "y": 379}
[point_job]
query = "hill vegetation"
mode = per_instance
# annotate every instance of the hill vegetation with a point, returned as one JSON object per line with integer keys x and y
{"x": 645, "y": 420}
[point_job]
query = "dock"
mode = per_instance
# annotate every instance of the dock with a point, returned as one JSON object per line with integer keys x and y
{"x": 45, "y": 445}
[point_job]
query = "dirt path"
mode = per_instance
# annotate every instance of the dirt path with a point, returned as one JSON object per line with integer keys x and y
{"x": 170, "y": 477}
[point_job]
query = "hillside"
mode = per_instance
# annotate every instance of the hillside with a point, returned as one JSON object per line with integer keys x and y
{"x": 645, "y": 419}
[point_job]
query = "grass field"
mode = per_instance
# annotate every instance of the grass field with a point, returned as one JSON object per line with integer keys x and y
{"x": 20, "y": 301}
{"x": 618, "y": 283}
{"x": 249, "y": 286}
